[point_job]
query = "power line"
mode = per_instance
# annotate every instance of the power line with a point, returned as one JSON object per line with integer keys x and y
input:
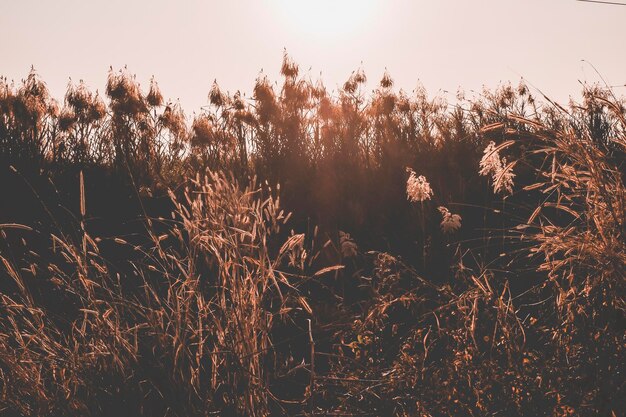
{"x": 603, "y": 2}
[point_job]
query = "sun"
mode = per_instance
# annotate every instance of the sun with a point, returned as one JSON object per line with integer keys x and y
{"x": 327, "y": 18}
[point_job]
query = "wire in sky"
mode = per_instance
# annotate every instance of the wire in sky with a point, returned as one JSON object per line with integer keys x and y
{"x": 614, "y": 3}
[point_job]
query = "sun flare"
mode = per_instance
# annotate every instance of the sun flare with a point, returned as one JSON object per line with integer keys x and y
{"x": 327, "y": 18}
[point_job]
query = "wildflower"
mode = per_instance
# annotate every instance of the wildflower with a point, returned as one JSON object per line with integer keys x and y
{"x": 450, "y": 222}
{"x": 347, "y": 245}
{"x": 417, "y": 188}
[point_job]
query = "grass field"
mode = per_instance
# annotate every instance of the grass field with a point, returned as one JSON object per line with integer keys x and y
{"x": 361, "y": 252}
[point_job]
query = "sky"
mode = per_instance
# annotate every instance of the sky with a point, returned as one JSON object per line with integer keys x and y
{"x": 442, "y": 44}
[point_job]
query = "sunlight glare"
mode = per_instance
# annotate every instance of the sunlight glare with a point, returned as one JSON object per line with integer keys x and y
{"x": 327, "y": 18}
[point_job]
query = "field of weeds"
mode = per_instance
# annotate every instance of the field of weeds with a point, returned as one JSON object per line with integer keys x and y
{"x": 307, "y": 252}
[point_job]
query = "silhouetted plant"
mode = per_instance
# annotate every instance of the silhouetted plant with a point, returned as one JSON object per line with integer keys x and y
{"x": 469, "y": 307}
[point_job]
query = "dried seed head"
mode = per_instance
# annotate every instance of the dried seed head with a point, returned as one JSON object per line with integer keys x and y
{"x": 502, "y": 174}
{"x": 125, "y": 94}
{"x": 490, "y": 161}
{"x": 98, "y": 109}
{"x": 154, "y": 97}
{"x": 216, "y": 97}
{"x": 238, "y": 102}
{"x": 347, "y": 245}
{"x": 450, "y": 223}
{"x": 78, "y": 97}
{"x": 202, "y": 132}
{"x": 289, "y": 69}
{"x": 67, "y": 119}
{"x": 173, "y": 119}
{"x": 386, "y": 81}
{"x": 417, "y": 188}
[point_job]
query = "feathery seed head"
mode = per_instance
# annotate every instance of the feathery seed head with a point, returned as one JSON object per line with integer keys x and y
{"x": 417, "y": 187}
{"x": 490, "y": 162}
{"x": 386, "y": 81}
{"x": 289, "y": 68}
{"x": 154, "y": 97}
{"x": 202, "y": 132}
{"x": 173, "y": 119}
{"x": 347, "y": 245}
{"x": 67, "y": 119}
{"x": 216, "y": 97}
{"x": 502, "y": 174}
{"x": 450, "y": 222}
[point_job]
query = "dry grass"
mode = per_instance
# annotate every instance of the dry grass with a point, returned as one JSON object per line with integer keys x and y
{"x": 191, "y": 325}
{"x": 553, "y": 346}
{"x": 216, "y": 309}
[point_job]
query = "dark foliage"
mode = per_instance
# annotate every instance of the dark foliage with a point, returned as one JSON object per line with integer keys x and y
{"x": 145, "y": 271}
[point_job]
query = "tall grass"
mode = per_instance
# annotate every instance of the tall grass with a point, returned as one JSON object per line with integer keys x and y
{"x": 548, "y": 340}
{"x": 502, "y": 295}
{"x": 185, "y": 329}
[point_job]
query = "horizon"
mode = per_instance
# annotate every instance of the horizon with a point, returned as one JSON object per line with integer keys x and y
{"x": 186, "y": 49}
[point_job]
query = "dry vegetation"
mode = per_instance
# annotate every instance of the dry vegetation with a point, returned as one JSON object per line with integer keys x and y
{"x": 442, "y": 259}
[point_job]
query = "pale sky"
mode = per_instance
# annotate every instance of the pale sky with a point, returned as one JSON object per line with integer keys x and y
{"x": 443, "y": 44}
